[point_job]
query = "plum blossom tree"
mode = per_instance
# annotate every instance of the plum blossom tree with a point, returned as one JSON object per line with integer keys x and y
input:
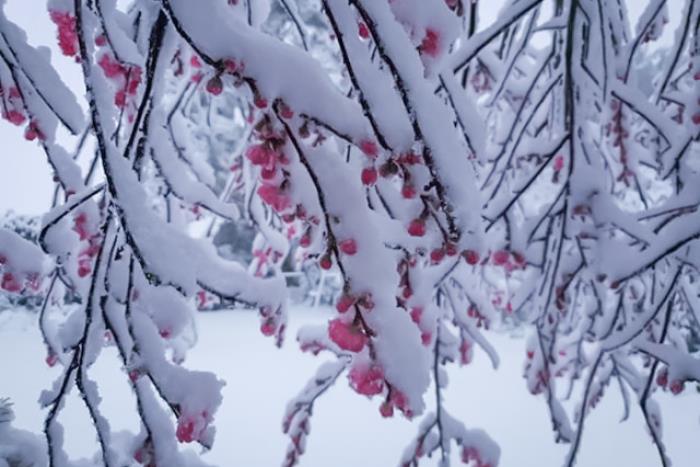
{"x": 456, "y": 175}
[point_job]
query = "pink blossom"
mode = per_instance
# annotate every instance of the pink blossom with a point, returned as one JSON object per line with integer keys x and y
{"x": 362, "y": 30}
{"x": 677, "y": 387}
{"x": 348, "y": 246}
{"x": 662, "y": 378}
{"x": 325, "y": 262}
{"x": 471, "y": 257}
{"x": 399, "y": 400}
{"x": 344, "y": 303}
{"x": 430, "y": 45}
{"x": 51, "y": 359}
{"x": 80, "y": 226}
{"x": 33, "y": 132}
{"x": 346, "y": 336}
{"x": 369, "y": 176}
{"x": 197, "y": 77}
{"x": 201, "y": 298}
{"x": 15, "y": 117}
{"x": 272, "y": 196}
{"x": 369, "y": 148}
{"x": 67, "y": 35}
{"x": 500, "y": 257}
{"x": 408, "y": 191}
{"x": 285, "y": 111}
{"x": 367, "y": 381}
{"x": 120, "y": 98}
{"x": 258, "y": 155}
{"x": 416, "y": 228}
{"x": 558, "y": 163}
{"x": 268, "y": 327}
{"x": 111, "y": 67}
{"x": 215, "y": 86}
{"x": 84, "y": 269}
{"x": 386, "y": 409}
{"x": 437, "y": 255}
{"x": 465, "y": 353}
{"x": 185, "y": 431}
{"x": 416, "y": 314}
{"x": 135, "y": 77}
{"x": 260, "y": 102}
{"x": 10, "y": 283}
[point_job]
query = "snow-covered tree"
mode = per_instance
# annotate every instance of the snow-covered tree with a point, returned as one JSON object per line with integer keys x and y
{"x": 456, "y": 175}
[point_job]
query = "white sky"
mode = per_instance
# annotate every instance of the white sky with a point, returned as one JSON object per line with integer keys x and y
{"x": 25, "y": 177}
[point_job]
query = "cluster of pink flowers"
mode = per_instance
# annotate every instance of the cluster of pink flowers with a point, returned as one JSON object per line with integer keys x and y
{"x": 67, "y": 33}
{"x": 92, "y": 247}
{"x": 13, "y": 111}
{"x": 481, "y": 320}
{"x": 416, "y": 315}
{"x": 191, "y": 427}
{"x": 535, "y": 366}
{"x": 367, "y": 380}
{"x": 618, "y": 132}
{"x": 347, "y": 336}
{"x": 14, "y": 282}
{"x": 264, "y": 258}
{"x": 215, "y": 84}
{"x": 449, "y": 250}
{"x": 508, "y": 260}
{"x": 12, "y": 105}
{"x": 10, "y": 282}
{"x": 269, "y": 157}
{"x": 126, "y": 79}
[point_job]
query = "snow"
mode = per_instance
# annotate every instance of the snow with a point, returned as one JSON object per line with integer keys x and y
{"x": 346, "y": 430}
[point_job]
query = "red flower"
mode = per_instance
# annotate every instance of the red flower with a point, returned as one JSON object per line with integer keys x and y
{"x": 416, "y": 228}
{"x": 346, "y": 336}
{"x": 430, "y": 45}
{"x": 348, "y": 246}
{"x": 369, "y": 176}
{"x": 367, "y": 381}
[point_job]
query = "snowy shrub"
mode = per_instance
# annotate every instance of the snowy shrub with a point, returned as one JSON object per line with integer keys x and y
{"x": 456, "y": 176}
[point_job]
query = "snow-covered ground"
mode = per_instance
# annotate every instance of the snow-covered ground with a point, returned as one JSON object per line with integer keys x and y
{"x": 346, "y": 429}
